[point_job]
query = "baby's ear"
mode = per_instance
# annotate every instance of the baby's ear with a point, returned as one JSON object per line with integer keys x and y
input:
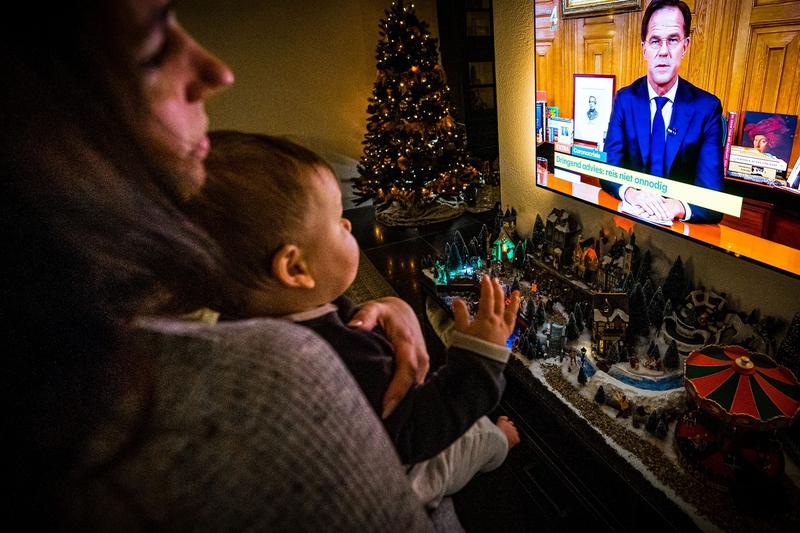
{"x": 290, "y": 268}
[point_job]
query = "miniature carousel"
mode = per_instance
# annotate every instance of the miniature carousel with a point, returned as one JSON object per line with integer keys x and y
{"x": 741, "y": 401}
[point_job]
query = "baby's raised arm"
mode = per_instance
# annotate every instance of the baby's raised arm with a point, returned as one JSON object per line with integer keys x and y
{"x": 494, "y": 322}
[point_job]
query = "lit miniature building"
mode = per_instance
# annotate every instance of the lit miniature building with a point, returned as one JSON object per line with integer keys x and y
{"x": 561, "y": 231}
{"x": 610, "y": 321}
{"x": 585, "y": 260}
{"x": 503, "y": 248}
{"x": 615, "y": 266}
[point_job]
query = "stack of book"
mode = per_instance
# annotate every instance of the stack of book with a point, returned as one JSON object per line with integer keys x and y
{"x": 541, "y": 116}
{"x": 750, "y": 164}
{"x": 559, "y": 132}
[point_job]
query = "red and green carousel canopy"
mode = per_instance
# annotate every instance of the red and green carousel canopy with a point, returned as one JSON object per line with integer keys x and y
{"x": 750, "y": 387}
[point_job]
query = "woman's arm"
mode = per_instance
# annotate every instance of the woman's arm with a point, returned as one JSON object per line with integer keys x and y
{"x": 401, "y": 327}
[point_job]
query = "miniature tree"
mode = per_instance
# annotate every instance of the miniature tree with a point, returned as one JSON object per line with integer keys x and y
{"x": 460, "y": 245}
{"x": 671, "y": 359}
{"x": 639, "y": 323}
{"x": 600, "y": 395}
{"x": 572, "y": 332}
{"x": 453, "y": 261}
{"x": 523, "y": 346}
{"x": 612, "y": 355}
{"x": 653, "y": 351}
{"x": 541, "y": 318}
{"x": 520, "y": 254}
{"x": 652, "y": 422}
{"x": 639, "y": 415}
{"x": 484, "y": 241}
{"x": 537, "y": 234}
{"x": 414, "y": 152}
{"x": 474, "y": 248}
{"x": 530, "y": 311}
{"x": 581, "y": 375}
{"x": 648, "y": 290}
{"x": 767, "y": 328}
{"x": 676, "y": 286}
{"x": 788, "y": 353}
{"x": 661, "y": 428}
{"x": 667, "y": 310}
{"x": 655, "y": 309}
{"x": 644, "y": 272}
{"x": 578, "y": 317}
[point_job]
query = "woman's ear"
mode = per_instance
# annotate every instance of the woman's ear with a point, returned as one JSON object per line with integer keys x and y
{"x": 290, "y": 268}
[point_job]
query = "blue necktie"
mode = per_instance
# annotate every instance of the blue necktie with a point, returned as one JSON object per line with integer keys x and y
{"x": 657, "y": 139}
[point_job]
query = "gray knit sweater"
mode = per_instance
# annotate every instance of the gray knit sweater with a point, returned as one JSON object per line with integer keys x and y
{"x": 256, "y": 425}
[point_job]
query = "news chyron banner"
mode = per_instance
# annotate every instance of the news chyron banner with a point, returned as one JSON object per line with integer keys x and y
{"x": 718, "y": 201}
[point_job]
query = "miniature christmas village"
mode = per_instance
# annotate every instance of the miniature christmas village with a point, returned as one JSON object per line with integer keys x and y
{"x": 612, "y": 328}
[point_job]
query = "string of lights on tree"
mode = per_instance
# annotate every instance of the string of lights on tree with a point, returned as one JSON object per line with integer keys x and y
{"x": 414, "y": 152}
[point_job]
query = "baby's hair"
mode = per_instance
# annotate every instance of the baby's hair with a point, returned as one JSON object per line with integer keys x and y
{"x": 255, "y": 200}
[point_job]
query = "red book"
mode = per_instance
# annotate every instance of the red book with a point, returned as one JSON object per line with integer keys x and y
{"x": 726, "y": 154}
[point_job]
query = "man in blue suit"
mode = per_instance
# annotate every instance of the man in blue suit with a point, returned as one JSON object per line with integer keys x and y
{"x": 665, "y": 126}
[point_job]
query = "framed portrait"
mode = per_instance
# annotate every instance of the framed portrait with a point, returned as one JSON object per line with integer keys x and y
{"x": 590, "y": 8}
{"x": 769, "y": 133}
{"x": 593, "y": 98}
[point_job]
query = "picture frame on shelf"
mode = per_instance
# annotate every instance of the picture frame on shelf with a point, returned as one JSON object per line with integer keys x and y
{"x": 591, "y": 8}
{"x": 593, "y": 97}
{"x": 770, "y": 133}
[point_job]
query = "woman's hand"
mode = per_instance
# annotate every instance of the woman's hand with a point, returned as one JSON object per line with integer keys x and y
{"x": 401, "y": 326}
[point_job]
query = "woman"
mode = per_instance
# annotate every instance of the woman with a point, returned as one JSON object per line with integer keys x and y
{"x": 117, "y": 421}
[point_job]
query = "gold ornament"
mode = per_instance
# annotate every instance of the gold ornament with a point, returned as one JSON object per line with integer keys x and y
{"x": 402, "y": 163}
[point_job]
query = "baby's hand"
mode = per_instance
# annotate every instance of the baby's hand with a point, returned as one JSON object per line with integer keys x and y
{"x": 494, "y": 322}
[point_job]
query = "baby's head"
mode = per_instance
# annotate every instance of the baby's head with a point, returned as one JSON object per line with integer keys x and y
{"x": 275, "y": 209}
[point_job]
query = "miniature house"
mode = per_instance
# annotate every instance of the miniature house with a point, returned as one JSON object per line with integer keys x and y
{"x": 503, "y": 248}
{"x": 610, "y": 321}
{"x": 561, "y": 232}
{"x": 585, "y": 260}
{"x": 615, "y": 265}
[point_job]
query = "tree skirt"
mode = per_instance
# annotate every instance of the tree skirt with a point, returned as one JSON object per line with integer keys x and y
{"x": 421, "y": 215}
{"x": 369, "y": 284}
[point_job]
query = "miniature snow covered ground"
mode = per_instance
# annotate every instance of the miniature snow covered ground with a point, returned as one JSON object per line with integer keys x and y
{"x": 655, "y": 458}
{"x": 550, "y": 372}
{"x": 588, "y": 391}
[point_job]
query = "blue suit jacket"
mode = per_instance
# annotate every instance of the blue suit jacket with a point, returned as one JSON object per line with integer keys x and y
{"x": 694, "y": 139}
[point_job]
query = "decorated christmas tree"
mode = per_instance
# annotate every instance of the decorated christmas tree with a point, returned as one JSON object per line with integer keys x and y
{"x": 414, "y": 152}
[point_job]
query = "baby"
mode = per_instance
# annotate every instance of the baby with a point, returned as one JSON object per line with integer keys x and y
{"x": 275, "y": 208}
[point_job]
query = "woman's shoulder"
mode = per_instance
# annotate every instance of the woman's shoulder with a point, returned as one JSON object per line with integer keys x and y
{"x": 251, "y": 420}
{"x": 230, "y": 342}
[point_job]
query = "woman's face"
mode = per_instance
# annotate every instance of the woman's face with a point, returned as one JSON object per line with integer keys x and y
{"x": 760, "y": 143}
{"x": 177, "y": 75}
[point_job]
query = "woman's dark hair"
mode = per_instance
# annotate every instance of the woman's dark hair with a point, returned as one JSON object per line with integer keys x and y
{"x": 655, "y": 5}
{"x": 92, "y": 238}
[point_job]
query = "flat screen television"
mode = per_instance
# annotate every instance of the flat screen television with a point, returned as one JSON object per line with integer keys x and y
{"x": 720, "y": 172}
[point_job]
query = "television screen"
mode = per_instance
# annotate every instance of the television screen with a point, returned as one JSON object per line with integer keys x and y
{"x": 682, "y": 116}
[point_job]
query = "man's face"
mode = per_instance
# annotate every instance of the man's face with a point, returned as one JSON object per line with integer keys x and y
{"x": 665, "y": 30}
{"x": 592, "y": 102}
